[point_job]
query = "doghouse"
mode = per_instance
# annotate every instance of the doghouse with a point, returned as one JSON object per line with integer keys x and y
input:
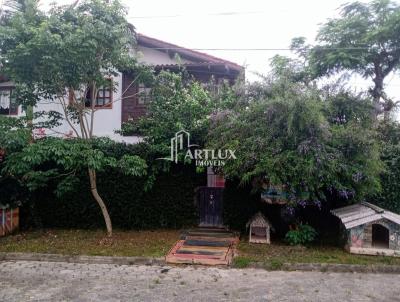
{"x": 370, "y": 230}
{"x": 259, "y": 229}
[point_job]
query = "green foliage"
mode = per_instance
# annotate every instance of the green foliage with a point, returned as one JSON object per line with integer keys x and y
{"x": 365, "y": 33}
{"x": 66, "y": 47}
{"x": 14, "y": 133}
{"x": 364, "y": 39}
{"x": 52, "y": 159}
{"x": 344, "y": 107}
{"x": 292, "y": 70}
{"x": 176, "y": 104}
{"x": 389, "y": 197}
{"x": 274, "y": 265}
{"x": 309, "y": 142}
{"x": 303, "y": 234}
{"x": 241, "y": 262}
{"x": 163, "y": 198}
{"x": 62, "y": 55}
{"x": 169, "y": 203}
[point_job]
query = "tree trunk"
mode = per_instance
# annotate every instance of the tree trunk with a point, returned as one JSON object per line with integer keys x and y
{"x": 377, "y": 91}
{"x": 97, "y": 197}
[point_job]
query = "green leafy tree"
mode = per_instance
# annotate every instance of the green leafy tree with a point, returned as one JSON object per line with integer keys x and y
{"x": 365, "y": 39}
{"x": 310, "y": 142}
{"x": 177, "y": 103}
{"x": 389, "y": 197}
{"x": 65, "y": 56}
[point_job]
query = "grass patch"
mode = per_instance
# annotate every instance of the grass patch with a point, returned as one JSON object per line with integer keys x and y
{"x": 91, "y": 242}
{"x": 273, "y": 256}
{"x": 158, "y": 242}
{"x": 241, "y": 262}
{"x": 275, "y": 264}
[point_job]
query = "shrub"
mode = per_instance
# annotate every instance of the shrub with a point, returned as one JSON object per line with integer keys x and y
{"x": 167, "y": 203}
{"x": 302, "y": 235}
{"x": 389, "y": 195}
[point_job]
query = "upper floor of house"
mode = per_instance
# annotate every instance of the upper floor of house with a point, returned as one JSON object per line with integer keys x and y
{"x": 133, "y": 98}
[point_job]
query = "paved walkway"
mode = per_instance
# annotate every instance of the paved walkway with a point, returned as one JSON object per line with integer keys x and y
{"x": 55, "y": 281}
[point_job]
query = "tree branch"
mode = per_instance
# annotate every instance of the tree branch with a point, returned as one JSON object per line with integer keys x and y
{"x": 63, "y": 105}
{"x": 122, "y": 94}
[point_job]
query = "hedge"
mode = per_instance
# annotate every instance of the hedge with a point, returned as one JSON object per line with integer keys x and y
{"x": 389, "y": 197}
{"x": 169, "y": 204}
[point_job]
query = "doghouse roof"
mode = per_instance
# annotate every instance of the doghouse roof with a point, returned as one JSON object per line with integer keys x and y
{"x": 258, "y": 220}
{"x": 362, "y": 213}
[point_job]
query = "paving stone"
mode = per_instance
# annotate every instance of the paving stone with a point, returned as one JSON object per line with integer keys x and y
{"x": 52, "y": 281}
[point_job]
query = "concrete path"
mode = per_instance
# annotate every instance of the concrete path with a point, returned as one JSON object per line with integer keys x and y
{"x": 58, "y": 281}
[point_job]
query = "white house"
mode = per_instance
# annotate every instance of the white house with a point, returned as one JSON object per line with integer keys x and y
{"x": 131, "y": 105}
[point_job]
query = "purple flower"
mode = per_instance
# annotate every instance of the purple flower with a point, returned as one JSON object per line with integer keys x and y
{"x": 302, "y": 203}
{"x": 290, "y": 210}
{"x": 343, "y": 194}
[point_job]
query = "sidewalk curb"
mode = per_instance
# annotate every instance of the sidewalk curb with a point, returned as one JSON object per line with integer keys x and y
{"x": 332, "y": 268}
{"x": 82, "y": 259}
{"x": 303, "y": 267}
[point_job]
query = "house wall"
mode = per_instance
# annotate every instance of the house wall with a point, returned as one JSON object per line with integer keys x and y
{"x": 106, "y": 120}
{"x": 361, "y": 236}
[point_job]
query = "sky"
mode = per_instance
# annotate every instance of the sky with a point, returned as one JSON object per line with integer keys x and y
{"x": 238, "y": 24}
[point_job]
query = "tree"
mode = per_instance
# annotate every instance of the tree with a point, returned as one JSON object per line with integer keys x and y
{"x": 177, "y": 103}
{"x": 388, "y": 198}
{"x": 313, "y": 143}
{"x": 66, "y": 56}
{"x": 366, "y": 40}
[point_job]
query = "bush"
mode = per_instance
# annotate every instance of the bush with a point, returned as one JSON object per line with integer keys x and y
{"x": 239, "y": 205}
{"x": 302, "y": 235}
{"x": 389, "y": 197}
{"x": 169, "y": 203}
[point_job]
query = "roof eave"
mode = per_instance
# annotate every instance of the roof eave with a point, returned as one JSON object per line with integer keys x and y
{"x": 186, "y": 53}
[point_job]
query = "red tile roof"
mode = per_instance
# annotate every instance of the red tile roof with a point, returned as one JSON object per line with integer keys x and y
{"x": 192, "y": 55}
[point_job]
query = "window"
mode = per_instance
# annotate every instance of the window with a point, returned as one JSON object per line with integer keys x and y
{"x": 7, "y": 105}
{"x": 144, "y": 94}
{"x": 104, "y": 96}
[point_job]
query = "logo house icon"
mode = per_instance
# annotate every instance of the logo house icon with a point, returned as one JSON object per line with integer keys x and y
{"x": 180, "y": 142}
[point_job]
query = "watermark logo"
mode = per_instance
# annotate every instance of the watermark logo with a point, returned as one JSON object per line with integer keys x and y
{"x": 203, "y": 157}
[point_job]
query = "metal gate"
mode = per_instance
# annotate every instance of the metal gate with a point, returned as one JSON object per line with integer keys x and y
{"x": 210, "y": 206}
